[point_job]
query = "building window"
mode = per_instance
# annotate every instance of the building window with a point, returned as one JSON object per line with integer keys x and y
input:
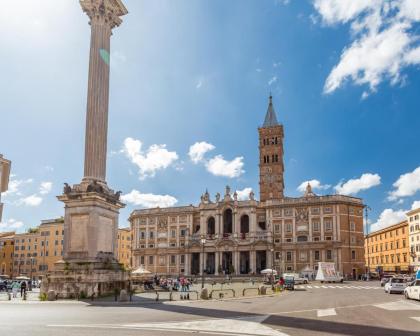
{"x": 182, "y": 232}
{"x": 141, "y": 260}
{"x": 315, "y": 211}
{"x": 288, "y": 212}
{"x": 316, "y": 256}
{"x": 328, "y": 238}
{"x": 353, "y": 240}
{"x": 182, "y": 261}
{"x": 150, "y": 260}
{"x": 302, "y": 238}
{"x": 173, "y": 233}
{"x": 315, "y": 226}
{"x": 173, "y": 259}
{"x": 142, "y": 235}
{"x": 316, "y": 238}
{"x": 328, "y": 225}
{"x": 352, "y": 226}
{"x": 302, "y": 256}
{"x": 151, "y": 234}
{"x": 329, "y": 254}
{"x": 353, "y": 254}
{"x": 278, "y": 255}
{"x": 327, "y": 210}
{"x": 288, "y": 256}
{"x": 288, "y": 227}
{"x": 288, "y": 240}
{"x": 277, "y": 228}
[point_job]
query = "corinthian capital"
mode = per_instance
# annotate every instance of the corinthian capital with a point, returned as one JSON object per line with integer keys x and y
{"x": 104, "y": 11}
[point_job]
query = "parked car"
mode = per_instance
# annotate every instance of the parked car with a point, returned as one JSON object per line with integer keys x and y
{"x": 412, "y": 291}
{"x": 395, "y": 285}
{"x": 297, "y": 278}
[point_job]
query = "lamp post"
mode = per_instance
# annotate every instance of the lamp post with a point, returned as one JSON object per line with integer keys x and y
{"x": 203, "y": 242}
{"x": 272, "y": 267}
{"x": 367, "y": 208}
{"x": 30, "y": 280}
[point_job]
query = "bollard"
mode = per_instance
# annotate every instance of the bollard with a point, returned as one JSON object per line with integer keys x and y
{"x": 24, "y": 296}
{"x": 9, "y": 296}
{"x": 170, "y": 296}
{"x": 157, "y": 296}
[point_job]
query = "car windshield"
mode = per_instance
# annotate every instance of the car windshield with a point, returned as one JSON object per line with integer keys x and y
{"x": 397, "y": 280}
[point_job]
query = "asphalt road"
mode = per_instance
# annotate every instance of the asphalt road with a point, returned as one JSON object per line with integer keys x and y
{"x": 356, "y": 308}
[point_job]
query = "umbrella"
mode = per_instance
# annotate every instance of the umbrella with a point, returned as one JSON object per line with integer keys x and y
{"x": 22, "y": 278}
{"x": 141, "y": 271}
{"x": 269, "y": 271}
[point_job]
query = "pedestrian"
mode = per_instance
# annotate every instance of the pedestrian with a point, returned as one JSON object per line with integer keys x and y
{"x": 281, "y": 283}
{"x": 15, "y": 287}
{"x": 22, "y": 288}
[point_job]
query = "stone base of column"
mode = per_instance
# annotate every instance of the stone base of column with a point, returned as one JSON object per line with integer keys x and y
{"x": 90, "y": 222}
{"x": 78, "y": 280}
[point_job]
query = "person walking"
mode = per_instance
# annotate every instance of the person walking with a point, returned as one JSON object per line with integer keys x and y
{"x": 15, "y": 288}
{"x": 23, "y": 288}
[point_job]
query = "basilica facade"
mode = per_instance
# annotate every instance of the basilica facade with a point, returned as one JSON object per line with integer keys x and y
{"x": 225, "y": 235}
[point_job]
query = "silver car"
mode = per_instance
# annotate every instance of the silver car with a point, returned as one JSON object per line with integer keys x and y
{"x": 395, "y": 285}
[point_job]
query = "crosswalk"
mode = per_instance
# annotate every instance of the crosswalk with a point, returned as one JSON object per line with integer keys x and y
{"x": 335, "y": 287}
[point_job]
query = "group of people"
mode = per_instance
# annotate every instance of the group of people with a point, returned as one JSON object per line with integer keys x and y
{"x": 19, "y": 286}
{"x": 178, "y": 284}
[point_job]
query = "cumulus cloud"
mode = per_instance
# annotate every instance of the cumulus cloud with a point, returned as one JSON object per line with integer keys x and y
{"x": 216, "y": 165}
{"x": 353, "y": 186}
{"x": 135, "y": 197}
{"x": 243, "y": 195}
{"x": 315, "y": 184}
{"x": 383, "y": 41}
{"x": 45, "y": 188}
{"x": 406, "y": 185}
{"x": 387, "y": 218}
{"x": 15, "y": 186}
{"x": 198, "y": 150}
{"x": 10, "y": 225}
{"x": 220, "y": 167}
{"x": 32, "y": 201}
{"x": 157, "y": 157}
{"x": 415, "y": 205}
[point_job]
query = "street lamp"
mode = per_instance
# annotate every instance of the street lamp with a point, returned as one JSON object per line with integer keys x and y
{"x": 30, "y": 280}
{"x": 203, "y": 242}
{"x": 272, "y": 267}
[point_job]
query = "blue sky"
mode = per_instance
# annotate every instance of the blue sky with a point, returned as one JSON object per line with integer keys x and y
{"x": 344, "y": 76}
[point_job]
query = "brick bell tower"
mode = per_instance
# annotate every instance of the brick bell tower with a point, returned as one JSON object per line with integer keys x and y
{"x": 271, "y": 156}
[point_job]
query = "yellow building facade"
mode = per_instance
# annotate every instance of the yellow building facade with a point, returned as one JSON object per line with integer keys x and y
{"x": 6, "y": 253}
{"x": 35, "y": 252}
{"x": 124, "y": 247}
{"x": 387, "y": 250}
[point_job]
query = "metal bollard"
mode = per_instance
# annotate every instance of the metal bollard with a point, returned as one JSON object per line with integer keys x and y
{"x": 157, "y": 296}
{"x": 9, "y": 296}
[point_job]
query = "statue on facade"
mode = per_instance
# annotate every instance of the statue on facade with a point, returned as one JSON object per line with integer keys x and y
{"x": 227, "y": 191}
{"x": 95, "y": 187}
{"x": 235, "y": 196}
{"x": 251, "y": 195}
{"x": 67, "y": 188}
{"x": 217, "y": 197}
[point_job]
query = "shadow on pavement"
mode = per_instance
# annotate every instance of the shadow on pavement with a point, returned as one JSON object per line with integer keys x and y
{"x": 304, "y": 324}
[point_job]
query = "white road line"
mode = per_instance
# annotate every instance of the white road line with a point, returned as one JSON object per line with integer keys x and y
{"x": 416, "y": 318}
{"x": 316, "y": 286}
{"x": 324, "y": 286}
{"x": 326, "y": 312}
{"x": 244, "y": 326}
{"x": 399, "y": 305}
{"x": 308, "y": 286}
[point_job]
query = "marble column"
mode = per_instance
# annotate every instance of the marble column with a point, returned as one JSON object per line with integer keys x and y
{"x": 104, "y": 16}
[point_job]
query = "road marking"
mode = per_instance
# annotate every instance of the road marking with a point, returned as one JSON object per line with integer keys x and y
{"x": 416, "y": 318}
{"x": 308, "y": 286}
{"x": 399, "y": 305}
{"x": 316, "y": 286}
{"x": 326, "y": 312}
{"x": 243, "y": 326}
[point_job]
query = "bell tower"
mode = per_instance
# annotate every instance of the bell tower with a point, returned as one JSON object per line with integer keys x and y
{"x": 271, "y": 156}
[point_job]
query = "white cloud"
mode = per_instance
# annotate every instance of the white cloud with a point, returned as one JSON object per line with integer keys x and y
{"x": 10, "y": 225}
{"x": 198, "y": 150}
{"x": 406, "y": 185}
{"x": 353, "y": 186}
{"x": 157, "y": 157}
{"x": 415, "y": 205}
{"x": 45, "y": 188}
{"x": 15, "y": 186}
{"x": 387, "y": 218}
{"x": 383, "y": 41}
{"x": 272, "y": 80}
{"x": 199, "y": 84}
{"x": 315, "y": 184}
{"x": 149, "y": 200}
{"x": 243, "y": 195}
{"x": 33, "y": 200}
{"x": 220, "y": 167}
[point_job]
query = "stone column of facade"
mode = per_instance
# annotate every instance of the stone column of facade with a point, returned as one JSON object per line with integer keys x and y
{"x": 252, "y": 261}
{"x": 236, "y": 261}
{"x": 216, "y": 262}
